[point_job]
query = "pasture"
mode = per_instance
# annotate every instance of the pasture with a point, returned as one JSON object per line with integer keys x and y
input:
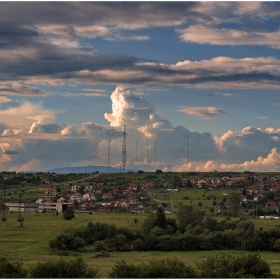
{"x": 29, "y": 243}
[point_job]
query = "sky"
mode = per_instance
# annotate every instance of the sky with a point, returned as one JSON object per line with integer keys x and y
{"x": 196, "y": 85}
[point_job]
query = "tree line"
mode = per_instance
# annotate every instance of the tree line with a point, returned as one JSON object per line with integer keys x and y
{"x": 191, "y": 231}
{"x": 223, "y": 266}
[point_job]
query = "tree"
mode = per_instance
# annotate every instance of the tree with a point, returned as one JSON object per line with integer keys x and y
{"x": 250, "y": 266}
{"x": 186, "y": 214}
{"x": 227, "y": 266}
{"x": 234, "y": 203}
{"x": 74, "y": 268}
{"x": 167, "y": 268}
{"x": 11, "y": 270}
{"x": 148, "y": 223}
{"x": 210, "y": 223}
{"x": 246, "y": 229}
{"x": 67, "y": 242}
{"x": 172, "y": 223}
{"x": 76, "y": 204}
{"x": 69, "y": 214}
{"x": 160, "y": 219}
{"x": 158, "y": 171}
{"x": 123, "y": 270}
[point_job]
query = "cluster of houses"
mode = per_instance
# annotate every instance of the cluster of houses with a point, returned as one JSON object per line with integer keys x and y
{"x": 107, "y": 201}
{"x": 256, "y": 192}
{"x": 95, "y": 199}
{"x": 209, "y": 182}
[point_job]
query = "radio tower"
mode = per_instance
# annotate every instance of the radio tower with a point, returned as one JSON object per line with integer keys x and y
{"x": 187, "y": 148}
{"x": 172, "y": 196}
{"x": 136, "y": 156}
{"x": 4, "y": 218}
{"x": 109, "y": 152}
{"x": 19, "y": 209}
{"x": 147, "y": 150}
{"x": 155, "y": 155}
{"x": 124, "y": 148}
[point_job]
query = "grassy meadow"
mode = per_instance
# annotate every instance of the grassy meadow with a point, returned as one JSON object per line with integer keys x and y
{"x": 29, "y": 243}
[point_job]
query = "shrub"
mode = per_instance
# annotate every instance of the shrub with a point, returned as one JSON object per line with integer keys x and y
{"x": 69, "y": 214}
{"x": 168, "y": 268}
{"x": 74, "y": 268}
{"x": 11, "y": 270}
{"x": 67, "y": 242}
{"x": 226, "y": 266}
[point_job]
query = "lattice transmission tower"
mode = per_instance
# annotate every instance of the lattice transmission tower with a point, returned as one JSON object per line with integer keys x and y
{"x": 147, "y": 150}
{"x": 109, "y": 151}
{"x": 4, "y": 217}
{"x": 124, "y": 148}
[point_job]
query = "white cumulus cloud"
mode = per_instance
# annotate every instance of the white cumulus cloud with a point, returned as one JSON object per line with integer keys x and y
{"x": 203, "y": 112}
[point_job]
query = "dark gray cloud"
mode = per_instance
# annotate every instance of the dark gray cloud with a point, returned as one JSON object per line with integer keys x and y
{"x": 90, "y": 13}
{"x": 2, "y": 128}
{"x": 42, "y": 39}
{"x": 47, "y": 128}
{"x": 12, "y": 35}
{"x": 20, "y": 90}
{"x": 10, "y": 152}
{"x": 241, "y": 146}
{"x": 50, "y": 153}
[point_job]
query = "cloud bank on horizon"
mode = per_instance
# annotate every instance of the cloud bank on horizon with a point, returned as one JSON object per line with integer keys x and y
{"x": 206, "y": 73}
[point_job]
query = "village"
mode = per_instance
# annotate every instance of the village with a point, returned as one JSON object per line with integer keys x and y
{"x": 135, "y": 197}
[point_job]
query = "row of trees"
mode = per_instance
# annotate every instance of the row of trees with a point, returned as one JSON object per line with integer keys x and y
{"x": 223, "y": 266}
{"x": 189, "y": 232}
{"x": 73, "y": 268}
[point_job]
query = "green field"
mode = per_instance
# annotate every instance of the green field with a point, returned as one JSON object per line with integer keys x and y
{"x": 29, "y": 243}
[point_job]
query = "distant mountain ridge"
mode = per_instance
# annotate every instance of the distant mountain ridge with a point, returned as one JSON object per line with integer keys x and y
{"x": 88, "y": 169}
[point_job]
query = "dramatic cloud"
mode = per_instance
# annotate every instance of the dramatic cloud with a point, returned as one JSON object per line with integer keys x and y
{"x": 269, "y": 163}
{"x": 67, "y": 50}
{"x": 219, "y": 72}
{"x": 23, "y": 117}
{"x": 214, "y": 36}
{"x": 250, "y": 143}
{"x": 129, "y": 15}
{"x": 133, "y": 110}
{"x": 203, "y": 112}
{"x": 10, "y": 131}
{"x": 16, "y": 89}
{"x": 143, "y": 121}
{"x": 29, "y": 144}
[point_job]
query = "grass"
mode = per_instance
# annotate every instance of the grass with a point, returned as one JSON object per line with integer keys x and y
{"x": 194, "y": 195}
{"x": 29, "y": 243}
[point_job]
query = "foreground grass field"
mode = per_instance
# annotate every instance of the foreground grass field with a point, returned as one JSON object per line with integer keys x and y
{"x": 29, "y": 243}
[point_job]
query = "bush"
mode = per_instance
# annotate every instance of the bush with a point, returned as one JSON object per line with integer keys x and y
{"x": 102, "y": 254}
{"x": 65, "y": 242}
{"x": 226, "y": 266}
{"x": 11, "y": 270}
{"x": 123, "y": 270}
{"x": 168, "y": 268}
{"x": 69, "y": 214}
{"x": 74, "y": 268}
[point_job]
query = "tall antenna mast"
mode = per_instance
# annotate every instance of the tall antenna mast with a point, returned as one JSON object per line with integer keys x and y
{"x": 4, "y": 218}
{"x": 124, "y": 148}
{"x": 172, "y": 198}
{"x": 187, "y": 148}
{"x": 19, "y": 209}
{"x": 155, "y": 155}
{"x": 109, "y": 152}
{"x": 147, "y": 150}
{"x": 136, "y": 156}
